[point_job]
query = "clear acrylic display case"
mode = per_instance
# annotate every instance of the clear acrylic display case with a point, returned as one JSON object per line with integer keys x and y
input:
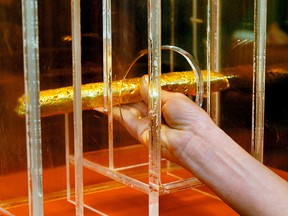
{"x": 68, "y": 158}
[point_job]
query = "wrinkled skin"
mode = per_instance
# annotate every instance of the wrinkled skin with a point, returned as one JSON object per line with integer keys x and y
{"x": 190, "y": 138}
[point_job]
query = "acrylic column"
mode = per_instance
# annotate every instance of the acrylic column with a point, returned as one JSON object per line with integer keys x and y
{"x": 154, "y": 63}
{"x": 33, "y": 121}
{"x": 107, "y": 74}
{"x": 260, "y": 16}
{"x": 213, "y": 56}
{"x": 77, "y": 105}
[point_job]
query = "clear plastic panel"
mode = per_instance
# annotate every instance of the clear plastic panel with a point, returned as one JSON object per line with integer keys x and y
{"x": 275, "y": 150}
{"x": 115, "y": 169}
{"x": 236, "y": 34}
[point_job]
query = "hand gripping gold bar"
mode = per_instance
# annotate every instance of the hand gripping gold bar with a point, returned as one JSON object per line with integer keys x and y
{"x": 60, "y": 100}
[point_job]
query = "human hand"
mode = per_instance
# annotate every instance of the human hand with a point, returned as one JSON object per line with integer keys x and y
{"x": 183, "y": 123}
{"x": 190, "y": 138}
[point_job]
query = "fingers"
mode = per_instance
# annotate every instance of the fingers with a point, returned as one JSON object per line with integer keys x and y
{"x": 139, "y": 110}
{"x": 132, "y": 118}
{"x": 165, "y": 95}
{"x": 144, "y": 88}
{"x": 179, "y": 113}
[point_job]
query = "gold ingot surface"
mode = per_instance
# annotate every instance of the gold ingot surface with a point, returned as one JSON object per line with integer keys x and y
{"x": 60, "y": 100}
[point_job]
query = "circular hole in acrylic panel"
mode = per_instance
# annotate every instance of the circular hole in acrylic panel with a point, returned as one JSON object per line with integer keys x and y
{"x": 140, "y": 109}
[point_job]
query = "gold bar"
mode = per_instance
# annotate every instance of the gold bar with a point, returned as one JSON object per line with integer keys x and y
{"x": 60, "y": 100}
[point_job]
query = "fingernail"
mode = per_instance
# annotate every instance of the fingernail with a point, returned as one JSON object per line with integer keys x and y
{"x": 145, "y": 79}
{"x": 99, "y": 109}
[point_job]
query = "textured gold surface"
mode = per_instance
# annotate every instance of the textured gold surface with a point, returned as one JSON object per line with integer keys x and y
{"x": 60, "y": 101}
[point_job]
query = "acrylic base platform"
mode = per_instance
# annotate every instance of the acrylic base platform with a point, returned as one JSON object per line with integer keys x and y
{"x": 111, "y": 197}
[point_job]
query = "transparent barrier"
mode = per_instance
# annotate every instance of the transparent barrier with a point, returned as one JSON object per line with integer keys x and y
{"x": 62, "y": 151}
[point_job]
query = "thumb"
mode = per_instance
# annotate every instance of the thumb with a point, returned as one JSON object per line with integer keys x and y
{"x": 144, "y": 88}
{"x": 165, "y": 95}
